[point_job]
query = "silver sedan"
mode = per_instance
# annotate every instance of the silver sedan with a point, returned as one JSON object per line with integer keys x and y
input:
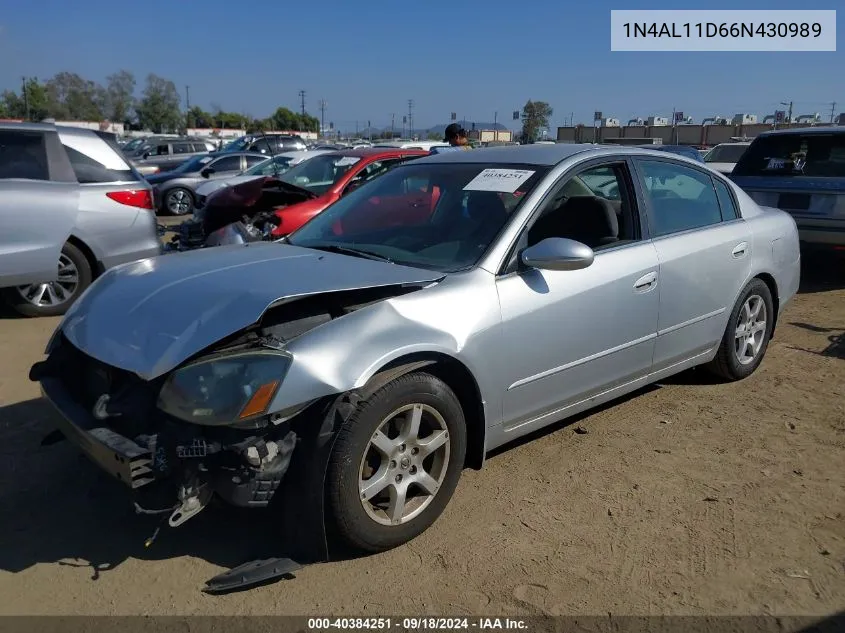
{"x": 452, "y": 305}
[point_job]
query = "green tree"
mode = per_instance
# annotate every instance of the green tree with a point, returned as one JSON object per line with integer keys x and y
{"x": 535, "y": 115}
{"x": 120, "y": 91}
{"x": 14, "y": 106}
{"x": 197, "y": 117}
{"x": 434, "y": 136}
{"x": 283, "y": 119}
{"x": 158, "y": 110}
{"x": 72, "y": 97}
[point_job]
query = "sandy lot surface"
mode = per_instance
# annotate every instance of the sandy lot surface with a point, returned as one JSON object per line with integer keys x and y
{"x": 687, "y": 498}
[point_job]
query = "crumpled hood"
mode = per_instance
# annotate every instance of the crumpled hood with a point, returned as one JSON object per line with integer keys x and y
{"x": 149, "y": 316}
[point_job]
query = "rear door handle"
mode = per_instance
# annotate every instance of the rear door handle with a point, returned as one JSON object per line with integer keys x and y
{"x": 740, "y": 250}
{"x": 646, "y": 281}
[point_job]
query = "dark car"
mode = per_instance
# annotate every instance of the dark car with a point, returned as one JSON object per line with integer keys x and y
{"x": 175, "y": 190}
{"x": 167, "y": 154}
{"x": 682, "y": 150}
{"x": 801, "y": 171}
{"x": 266, "y": 143}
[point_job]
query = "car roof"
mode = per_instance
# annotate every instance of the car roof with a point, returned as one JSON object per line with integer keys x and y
{"x": 835, "y": 129}
{"x": 379, "y": 152}
{"x": 548, "y": 155}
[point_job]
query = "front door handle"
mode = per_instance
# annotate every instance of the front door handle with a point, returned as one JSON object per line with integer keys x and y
{"x": 740, "y": 250}
{"x": 646, "y": 281}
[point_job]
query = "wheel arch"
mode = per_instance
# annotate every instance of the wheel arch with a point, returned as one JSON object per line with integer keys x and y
{"x": 772, "y": 285}
{"x": 459, "y": 378}
{"x": 97, "y": 268}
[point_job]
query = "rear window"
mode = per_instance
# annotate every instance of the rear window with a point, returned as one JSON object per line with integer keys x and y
{"x": 814, "y": 155}
{"x": 725, "y": 154}
{"x": 95, "y": 161}
{"x": 23, "y": 155}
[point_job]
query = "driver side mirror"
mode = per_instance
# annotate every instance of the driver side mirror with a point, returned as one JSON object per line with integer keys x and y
{"x": 146, "y": 155}
{"x": 205, "y": 173}
{"x": 557, "y": 253}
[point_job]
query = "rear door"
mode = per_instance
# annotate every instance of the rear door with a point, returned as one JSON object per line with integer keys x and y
{"x": 704, "y": 250}
{"x": 226, "y": 166}
{"x": 38, "y": 205}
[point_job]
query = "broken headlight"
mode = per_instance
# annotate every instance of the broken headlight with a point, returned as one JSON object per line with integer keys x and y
{"x": 226, "y": 389}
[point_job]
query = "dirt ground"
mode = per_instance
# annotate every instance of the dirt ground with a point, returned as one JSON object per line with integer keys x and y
{"x": 687, "y": 498}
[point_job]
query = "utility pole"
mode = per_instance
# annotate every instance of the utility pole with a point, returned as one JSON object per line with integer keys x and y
{"x": 392, "y": 126}
{"x": 832, "y": 111}
{"x": 495, "y": 126}
{"x": 789, "y": 113}
{"x": 187, "y": 107}
{"x": 322, "y": 116}
{"x": 411, "y": 118}
{"x": 302, "y": 101}
{"x": 25, "y": 94}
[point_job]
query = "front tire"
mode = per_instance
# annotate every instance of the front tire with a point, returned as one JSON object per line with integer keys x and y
{"x": 747, "y": 335}
{"x": 179, "y": 201}
{"x": 396, "y": 463}
{"x": 54, "y": 297}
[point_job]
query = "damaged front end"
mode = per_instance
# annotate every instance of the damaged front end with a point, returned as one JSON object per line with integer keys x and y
{"x": 176, "y": 441}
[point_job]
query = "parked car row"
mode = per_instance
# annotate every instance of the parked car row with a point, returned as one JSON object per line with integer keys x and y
{"x": 75, "y": 205}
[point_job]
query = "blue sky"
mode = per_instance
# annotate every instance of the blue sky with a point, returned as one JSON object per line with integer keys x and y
{"x": 366, "y": 59}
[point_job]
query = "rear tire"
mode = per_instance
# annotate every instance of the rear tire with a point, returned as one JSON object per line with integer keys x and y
{"x": 382, "y": 471}
{"x": 178, "y": 201}
{"x": 55, "y": 297}
{"x": 747, "y": 334}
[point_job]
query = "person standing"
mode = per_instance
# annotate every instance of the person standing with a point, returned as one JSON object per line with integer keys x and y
{"x": 456, "y": 136}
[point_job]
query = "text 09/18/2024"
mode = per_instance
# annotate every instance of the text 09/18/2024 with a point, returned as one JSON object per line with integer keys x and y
{"x": 711, "y": 30}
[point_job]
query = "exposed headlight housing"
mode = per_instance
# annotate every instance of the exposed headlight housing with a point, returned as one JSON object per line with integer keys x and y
{"x": 225, "y": 389}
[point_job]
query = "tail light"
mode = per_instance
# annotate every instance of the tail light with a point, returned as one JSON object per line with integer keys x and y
{"x": 140, "y": 198}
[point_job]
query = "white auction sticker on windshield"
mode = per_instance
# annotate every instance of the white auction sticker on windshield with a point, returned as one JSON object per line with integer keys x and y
{"x": 347, "y": 160}
{"x": 499, "y": 180}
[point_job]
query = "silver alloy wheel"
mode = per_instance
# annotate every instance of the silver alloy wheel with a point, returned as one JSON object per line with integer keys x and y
{"x": 53, "y": 293}
{"x": 402, "y": 469}
{"x": 178, "y": 202}
{"x": 750, "y": 329}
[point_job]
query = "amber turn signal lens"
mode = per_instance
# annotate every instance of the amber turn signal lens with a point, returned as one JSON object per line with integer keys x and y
{"x": 260, "y": 400}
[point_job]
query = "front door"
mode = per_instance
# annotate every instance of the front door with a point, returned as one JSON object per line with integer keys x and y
{"x": 574, "y": 336}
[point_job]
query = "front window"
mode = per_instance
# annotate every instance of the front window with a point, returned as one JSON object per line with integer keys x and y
{"x": 725, "y": 154}
{"x": 270, "y": 166}
{"x": 438, "y": 216}
{"x": 320, "y": 173}
{"x": 818, "y": 154}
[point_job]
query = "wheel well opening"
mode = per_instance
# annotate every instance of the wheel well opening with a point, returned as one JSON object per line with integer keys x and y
{"x": 770, "y": 282}
{"x": 96, "y": 266}
{"x": 461, "y": 381}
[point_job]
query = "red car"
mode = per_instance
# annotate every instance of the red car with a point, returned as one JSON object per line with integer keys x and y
{"x": 329, "y": 176}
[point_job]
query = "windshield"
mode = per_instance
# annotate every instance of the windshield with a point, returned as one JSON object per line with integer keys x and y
{"x": 725, "y": 154}
{"x": 238, "y": 145}
{"x": 818, "y": 154}
{"x": 318, "y": 174}
{"x": 269, "y": 167}
{"x": 438, "y": 216}
{"x": 195, "y": 164}
{"x": 133, "y": 144}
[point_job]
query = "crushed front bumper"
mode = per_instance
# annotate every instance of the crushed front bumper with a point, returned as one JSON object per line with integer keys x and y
{"x": 119, "y": 456}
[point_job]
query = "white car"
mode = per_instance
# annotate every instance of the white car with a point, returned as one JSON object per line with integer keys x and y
{"x": 724, "y": 157}
{"x": 426, "y": 145}
{"x": 279, "y": 164}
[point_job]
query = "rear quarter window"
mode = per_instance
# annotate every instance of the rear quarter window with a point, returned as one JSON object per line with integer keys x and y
{"x": 95, "y": 161}
{"x": 23, "y": 155}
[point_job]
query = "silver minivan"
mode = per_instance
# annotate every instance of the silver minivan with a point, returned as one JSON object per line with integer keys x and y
{"x": 71, "y": 206}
